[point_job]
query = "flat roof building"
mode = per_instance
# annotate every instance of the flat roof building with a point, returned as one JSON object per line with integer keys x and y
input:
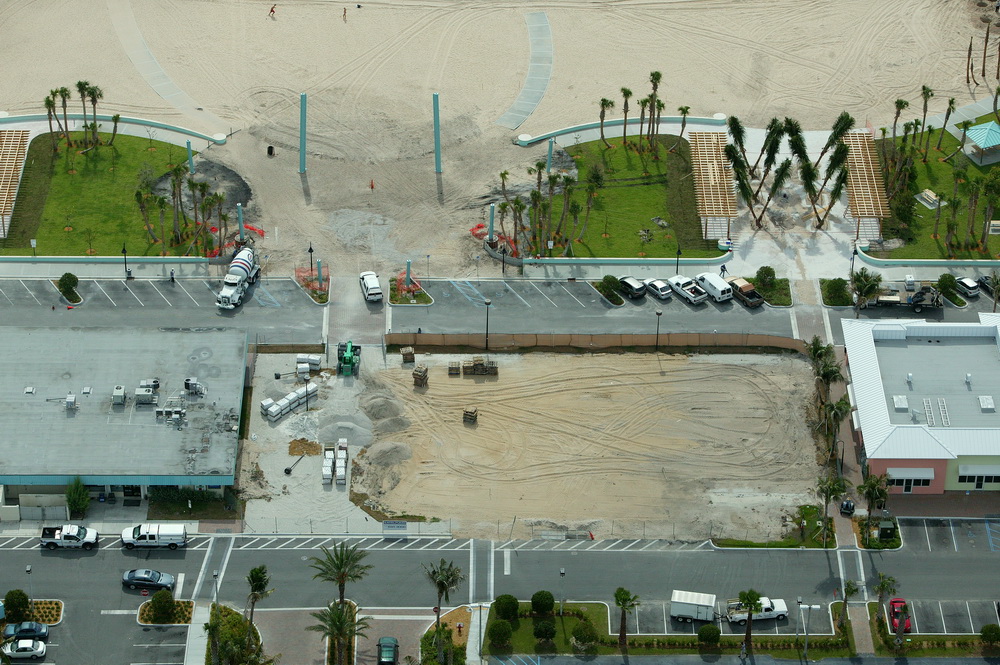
{"x": 120, "y": 408}
{"x": 925, "y": 399}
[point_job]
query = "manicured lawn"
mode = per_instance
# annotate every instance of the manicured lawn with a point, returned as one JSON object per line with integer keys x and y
{"x": 636, "y": 189}
{"x": 523, "y": 639}
{"x": 77, "y": 203}
{"x": 779, "y": 294}
{"x": 937, "y": 176}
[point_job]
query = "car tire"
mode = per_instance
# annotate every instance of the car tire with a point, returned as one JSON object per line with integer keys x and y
{"x": 130, "y": 546}
{"x": 88, "y": 546}
{"x": 781, "y": 617}
{"x": 131, "y": 586}
{"x": 35, "y": 657}
{"x": 52, "y": 546}
{"x": 743, "y": 622}
{"x": 688, "y": 620}
{"x": 172, "y": 546}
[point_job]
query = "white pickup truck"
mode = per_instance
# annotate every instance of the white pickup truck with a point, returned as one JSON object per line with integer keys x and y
{"x": 686, "y": 288}
{"x": 68, "y": 535}
{"x": 736, "y": 611}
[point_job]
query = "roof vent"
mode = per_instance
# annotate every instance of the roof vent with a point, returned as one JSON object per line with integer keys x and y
{"x": 968, "y": 380}
{"x": 909, "y": 378}
{"x": 29, "y": 390}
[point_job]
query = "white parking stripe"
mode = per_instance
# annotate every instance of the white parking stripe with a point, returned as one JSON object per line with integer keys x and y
{"x": 506, "y": 562}
{"x": 571, "y": 295}
{"x": 6, "y": 296}
{"x": 132, "y": 292}
{"x": 161, "y": 295}
{"x": 118, "y": 612}
{"x": 188, "y": 294}
{"x": 928, "y": 535}
{"x": 516, "y": 294}
{"x": 179, "y": 586}
{"x": 969, "y": 610}
{"x": 951, "y": 527}
{"x": 105, "y": 293}
{"x": 542, "y": 294}
{"x": 29, "y": 292}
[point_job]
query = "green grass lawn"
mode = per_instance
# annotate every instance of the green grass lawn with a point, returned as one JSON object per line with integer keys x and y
{"x": 79, "y": 204}
{"x": 779, "y": 294}
{"x": 835, "y": 299}
{"x": 937, "y": 176}
{"x": 637, "y": 188}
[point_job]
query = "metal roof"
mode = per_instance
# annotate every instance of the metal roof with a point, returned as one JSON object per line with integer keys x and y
{"x": 917, "y": 387}
{"x": 985, "y": 135}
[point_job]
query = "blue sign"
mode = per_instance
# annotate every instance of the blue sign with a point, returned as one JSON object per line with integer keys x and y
{"x": 393, "y": 525}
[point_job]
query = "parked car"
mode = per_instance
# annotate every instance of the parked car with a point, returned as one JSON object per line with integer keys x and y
{"x": 631, "y": 287}
{"x": 968, "y": 287}
{"x": 388, "y": 651}
{"x": 32, "y": 649}
{"x": 26, "y": 630}
{"x": 144, "y": 578}
{"x": 3, "y": 614}
{"x": 984, "y": 285}
{"x": 847, "y": 508}
{"x": 896, "y": 613}
{"x": 370, "y": 286}
{"x": 658, "y": 288}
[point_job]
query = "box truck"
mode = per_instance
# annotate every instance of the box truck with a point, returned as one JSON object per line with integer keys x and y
{"x": 689, "y": 606}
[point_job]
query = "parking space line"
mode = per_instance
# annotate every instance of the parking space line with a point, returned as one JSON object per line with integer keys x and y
{"x": 969, "y": 610}
{"x": 571, "y": 295}
{"x": 795, "y": 324}
{"x": 664, "y": 618}
{"x": 518, "y": 295}
{"x": 913, "y": 616}
{"x": 927, "y": 534}
{"x": 6, "y": 296}
{"x": 542, "y": 294}
{"x": 951, "y": 527}
{"x": 105, "y": 293}
{"x": 179, "y": 586}
{"x": 506, "y": 561}
{"x": 161, "y": 295}
{"x": 944, "y": 626}
{"x": 132, "y": 292}
{"x": 188, "y": 294}
{"x": 30, "y": 293}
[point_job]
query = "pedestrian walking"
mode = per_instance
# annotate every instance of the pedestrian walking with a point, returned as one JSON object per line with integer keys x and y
{"x": 271, "y": 13}
{"x": 171, "y": 275}
{"x": 743, "y": 650}
{"x": 345, "y": 13}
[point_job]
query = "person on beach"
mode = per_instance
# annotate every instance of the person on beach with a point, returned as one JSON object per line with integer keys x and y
{"x": 345, "y": 12}
{"x": 271, "y": 13}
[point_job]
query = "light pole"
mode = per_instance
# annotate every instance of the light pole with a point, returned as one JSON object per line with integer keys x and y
{"x": 428, "y": 266}
{"x": 310, "y": 259}
{"x": 677, "y": 263}
{"x": 854, "y": 255}
{"x": 659, "y": 313}
{"x": 477, "y": 268}
{"x": 488, "y": 302}
{"x": 215, "y": 583}
{"x": 799, "y": 622}
{"x": 31, "y": 595}
{"x": 843, "y": 446}
{"x": 805, "y": 650}
{"x": 125, "y": 259}
{"x": 562, "y": 589}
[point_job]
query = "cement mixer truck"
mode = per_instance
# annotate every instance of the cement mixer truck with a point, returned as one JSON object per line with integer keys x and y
{"x": 243, "y": 271}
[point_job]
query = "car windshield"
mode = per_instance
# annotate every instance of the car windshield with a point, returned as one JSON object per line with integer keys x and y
{"x": 135, "y": 531}
{"x": 153, "y": 576}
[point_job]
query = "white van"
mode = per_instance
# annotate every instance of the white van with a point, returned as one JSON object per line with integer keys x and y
{"x": 370, "y": 286}
{"x": 155, "y": 535}
{"x": 719, "y": 289}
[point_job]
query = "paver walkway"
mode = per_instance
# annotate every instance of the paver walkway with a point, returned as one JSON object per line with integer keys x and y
{"x": 539, "y": 71}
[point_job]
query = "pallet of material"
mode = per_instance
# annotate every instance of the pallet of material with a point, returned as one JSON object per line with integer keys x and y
{"x": 454, "y": 368}
{"x": 470, "y": 415}
{"x": 420, "y": 376}
{"x": 407, "y": 353}
{"x": 468, "y": 367}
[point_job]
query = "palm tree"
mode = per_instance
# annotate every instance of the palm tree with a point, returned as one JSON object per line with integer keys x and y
{"x": 867, "y": 286}
{"x": 142, "y": 196}
{"x": 817, "y": 351}
{"x": 82, "y": 87}
{"x": 446, "y": 577}
{"x": 518, "y": 207}
{"x": 660, "y": 106}
{"x": 901, "y": 104}
{"x": 828, "y": 372}
{"x": 115, "y": 119}
{"x": 341, "y": 624}
{"x": 161, "y": 203}
{"x": 772, "y": 144}
{"x": 64, "y": 95}
{"x": 850, "y": 589}
{"x": 947, "y": 115}
{"x": 53, "y": 94}
{"x": 904, "y": 616}
{"x": 591, "y": 196}
{"x": 839, "y": 184}
{"x": 781, "y": 175}
{"x": 742, "y": 175}
{"x": 567, "y": 190}
{"x": 885, "y": 587}
{"x": 684, "y": 111}
{"x": 833, "y": 414}
{"x": 843, "y": 124}
{"x": 975, "y": 189}
{"x": 654, "y": 81}
{"x": 739, "y": 134}
{"x": 50, "y": 109}
{"x": 749, "y": 599}
{"x": 93, "y": 94}
{"x": 214, "y": 629}
{"x": 344, "y": 564}
{"x": 829, "y": 488}
{"x": 836, "y": 165}
{"x": 875, "y": 490}
{"x": 775, "y": 126}
{"x": 926, "y": 94}
{"x": 574, "y": 211}
{"x": 626, "y": 602}
{"x": 626, "y": 94}
{"x": 220, "y": 200}
{"x": 937, "y": 215}
{"x": 965, "y": 124}
{"x": 606, "y": 105}
{"x": 643, "y": 105}
{"x": 503, "y": 185}
{"x": 994, "y": 289}
{"x": 258, "y": 581}
{"x": 808, "y": 175}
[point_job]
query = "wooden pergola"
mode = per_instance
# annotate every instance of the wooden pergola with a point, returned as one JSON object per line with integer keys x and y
{"x": 866, "y": 197}
{"x": 13, "y": 151}
{"x": 713, "y": 178}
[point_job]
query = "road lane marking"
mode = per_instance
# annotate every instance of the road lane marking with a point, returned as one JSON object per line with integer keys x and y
{"x": 472, "y": 573}
{"x": 518, "y": 295}
{"x": 542, "y": 294}
{"x": 161, "y": 295}
{"x": 795, "y": 324}
{"x": 105, "y": 293}
{"x": 951, "y": 527}
{"x": 132, "y": 292}
{"x": 29, "y": 292}
{"x": 969, "y": 610}
{"x": 506, "y": 562}
{"x": 188, "y": 294}
{"x": 179, "y": 585}
{"x": 6, "y": 296}
{"x": 927, "y": 534}
{"x": 571, "y": 295}
{"x": 118, "y": 611}
{"x": 489, "y": 581}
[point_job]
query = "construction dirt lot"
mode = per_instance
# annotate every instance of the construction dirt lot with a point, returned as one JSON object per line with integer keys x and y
{"x": 624, "y": 445}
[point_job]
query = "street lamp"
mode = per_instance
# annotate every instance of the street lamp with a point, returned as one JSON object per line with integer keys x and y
{"x": 125, "y": 259}
{"x": 488, "y": 302}
{"x": 215, "y": 583}
{"x": 31, "y": 595}
{"x": 797, "y": 623}
{"x": 562, "y": 589}
{"x": 854, "y": 255}
{"x": 659, "y": 313}
{"x": 677, "y": 263}
{"x": 310, "y": 259}
{"x": 428, "y": 266}
{"x": 805, "y": 650}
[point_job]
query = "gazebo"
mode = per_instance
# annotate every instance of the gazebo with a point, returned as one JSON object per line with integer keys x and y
{"x": 985, "y": 138}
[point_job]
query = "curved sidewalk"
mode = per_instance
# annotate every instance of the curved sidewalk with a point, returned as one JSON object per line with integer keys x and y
{"x": 539, "y": 71}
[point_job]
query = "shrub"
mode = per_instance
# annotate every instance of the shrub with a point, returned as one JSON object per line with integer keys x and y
{"x": 500, "y": 632}
{"x": 16, "y": 606}
{"x": 77, "y": 498}
{"x": 542, "y": 602}
{"x": 67, "y": 285}
{"x": 990, "y": 633}
{"x": 162, "y": 606}
{"x": 506, "y": 607}
{"x": 765, "y": 277}
{"x": 709, "y": 634}
{"x": 544, "y": 630}
{"x": 610, "y": 282}
{"x": 836, "y": 291}
{"x": 584, "y": 634}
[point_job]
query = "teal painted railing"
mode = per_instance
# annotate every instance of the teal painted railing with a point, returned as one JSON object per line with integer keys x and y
{"x": 529, "y": 140}
{"x": 123, "y": 120}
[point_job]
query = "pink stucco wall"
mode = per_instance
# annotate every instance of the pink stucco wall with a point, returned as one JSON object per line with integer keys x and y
{"x": 879, "y": 466}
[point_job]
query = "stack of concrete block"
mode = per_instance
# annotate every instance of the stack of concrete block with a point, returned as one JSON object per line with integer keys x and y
{"x": 276, "y": 410}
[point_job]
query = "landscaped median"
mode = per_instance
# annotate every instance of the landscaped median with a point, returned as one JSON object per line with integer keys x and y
{"x": 163, "y": 610}
{"x": 984, "y": 645}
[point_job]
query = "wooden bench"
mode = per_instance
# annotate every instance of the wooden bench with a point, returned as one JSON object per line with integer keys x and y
{"x": 931, "y": 198}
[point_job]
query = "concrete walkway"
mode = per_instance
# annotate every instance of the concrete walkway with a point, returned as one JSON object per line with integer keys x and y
{"x": 540, "y": 61}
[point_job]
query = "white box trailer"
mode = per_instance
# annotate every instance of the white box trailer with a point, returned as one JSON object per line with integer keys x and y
{"x": 690, "y": 606}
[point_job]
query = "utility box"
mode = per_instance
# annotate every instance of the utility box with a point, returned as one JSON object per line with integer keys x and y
{"x": 145, "y": 396}
{"x": 118, "y": 396}
{"x": 71, "y": 402}
{"x": 886, "y": 530}
{"x": 150, "y": 383}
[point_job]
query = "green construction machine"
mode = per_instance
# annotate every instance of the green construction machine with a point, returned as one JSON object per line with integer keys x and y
{"x": 348, "y": 358}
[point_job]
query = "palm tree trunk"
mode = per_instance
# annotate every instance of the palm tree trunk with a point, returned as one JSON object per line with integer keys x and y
{"x": 947, "y": 114}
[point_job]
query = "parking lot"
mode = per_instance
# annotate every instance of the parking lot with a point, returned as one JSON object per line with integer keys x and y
{"x": 653, "y": 618}
{"x": 519, "y": 305}
{"x": 953, "y": 535}
{"x": 938, "y": 617}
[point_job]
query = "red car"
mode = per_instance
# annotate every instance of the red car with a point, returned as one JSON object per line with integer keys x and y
{"x": 896, "y": 606}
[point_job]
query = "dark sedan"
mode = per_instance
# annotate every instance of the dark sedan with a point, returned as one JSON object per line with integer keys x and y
{"x": 26, "y": 630}
{"x": 144, "y": 578}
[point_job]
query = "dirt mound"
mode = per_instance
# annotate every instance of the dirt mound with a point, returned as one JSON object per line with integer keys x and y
{"x": 379, "y": 405}
{"x": 388, "y": 453}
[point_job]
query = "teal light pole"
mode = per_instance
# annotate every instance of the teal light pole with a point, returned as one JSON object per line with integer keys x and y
{"x": 302, "y": 132}
{"x": 437, "y": 135}
{"x": 190, "y": 158}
